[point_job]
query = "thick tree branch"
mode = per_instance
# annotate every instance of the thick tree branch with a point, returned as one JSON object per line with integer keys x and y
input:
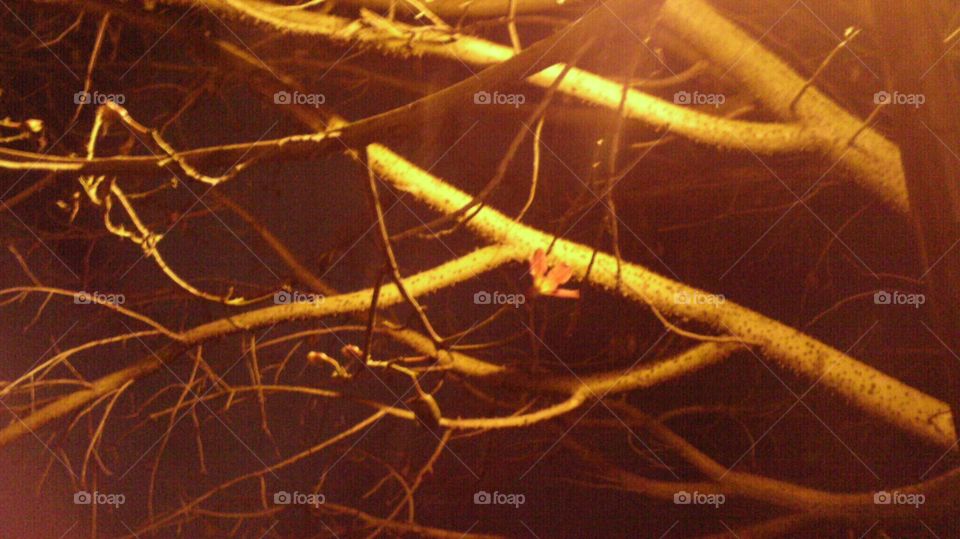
{"x": 869, "y": 389}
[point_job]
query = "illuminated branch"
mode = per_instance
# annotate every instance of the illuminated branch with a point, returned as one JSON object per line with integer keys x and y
{"x": 482, "y": 260}
{"x": 454, "y": 9}
{"x": 873, "y": 160}
{"x": 764, "y": 138}
{"x": 869, "y": 389}
{"x": 819, "y": 124}
{"x": 440, "y": 277}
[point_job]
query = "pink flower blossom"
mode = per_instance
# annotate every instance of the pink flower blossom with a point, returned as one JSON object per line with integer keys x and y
{"x": 547, "y": 280}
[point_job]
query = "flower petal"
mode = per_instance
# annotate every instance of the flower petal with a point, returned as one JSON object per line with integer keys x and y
{"x": 559, "y": 274}
{"x": 538, "y": 263}
{"x": 567, "y": 293}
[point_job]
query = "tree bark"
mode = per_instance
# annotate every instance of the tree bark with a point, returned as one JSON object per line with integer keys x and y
{"x": 911, "y": 35}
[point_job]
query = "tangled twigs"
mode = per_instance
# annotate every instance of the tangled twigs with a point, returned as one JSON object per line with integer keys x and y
{"x": 853, "y": 507}
{"x": 581, "y": 390}
{"x": 95, "y": 300}
{"x": 577, "y": 390}
{"x": 543, "y": 54}
{"x": 393, "y": 267}
{"x": 143, "y": 236}
{"x": 442, "y": 276}
{"x": 167, "y": 148}
{"x": 535, "y": 116}
{"x": 475, "y": 8}
{"x": 405, "y": 527}
{"x": 823, "y": 126}
{"x": 184, "y": 512}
